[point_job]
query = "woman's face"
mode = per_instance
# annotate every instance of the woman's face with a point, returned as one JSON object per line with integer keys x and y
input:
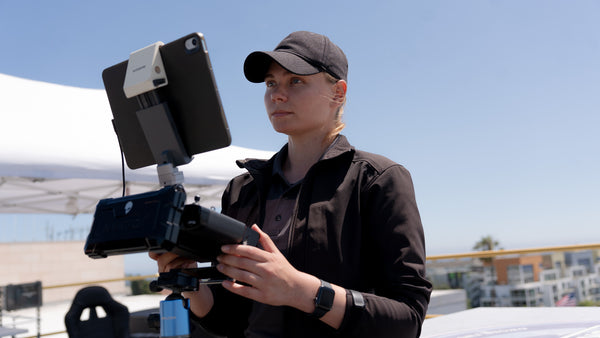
{"x": 299, "y": 105}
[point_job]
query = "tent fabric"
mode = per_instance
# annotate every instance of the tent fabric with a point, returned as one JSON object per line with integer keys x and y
{"x": 59, "y": 153}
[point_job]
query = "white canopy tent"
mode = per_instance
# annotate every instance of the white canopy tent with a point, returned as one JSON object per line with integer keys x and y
{"x": 59, "y": 153}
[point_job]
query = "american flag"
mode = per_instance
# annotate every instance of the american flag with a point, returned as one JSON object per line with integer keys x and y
{"x": 567, "y": 300}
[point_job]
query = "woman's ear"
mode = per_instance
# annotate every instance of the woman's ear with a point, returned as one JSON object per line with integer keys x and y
{"x": 339, "y": 89}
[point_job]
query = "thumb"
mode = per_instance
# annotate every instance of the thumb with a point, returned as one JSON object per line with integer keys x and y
{"x": 265, "y": 241}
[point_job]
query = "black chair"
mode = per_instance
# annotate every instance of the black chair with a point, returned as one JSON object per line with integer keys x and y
{"x": 114, "y": 325}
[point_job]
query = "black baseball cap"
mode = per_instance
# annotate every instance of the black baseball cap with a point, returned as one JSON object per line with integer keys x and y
{"x": 302, "y": 53}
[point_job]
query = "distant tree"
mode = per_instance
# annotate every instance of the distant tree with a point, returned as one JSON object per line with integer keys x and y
{"x": 140, "y": 287}
{"x": 486, "y": 243}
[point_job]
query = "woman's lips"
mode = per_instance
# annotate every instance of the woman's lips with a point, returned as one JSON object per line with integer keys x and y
{"x": 280, "y": 113}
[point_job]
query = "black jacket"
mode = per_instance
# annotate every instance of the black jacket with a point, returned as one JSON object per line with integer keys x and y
{"x": 356, "y": 224}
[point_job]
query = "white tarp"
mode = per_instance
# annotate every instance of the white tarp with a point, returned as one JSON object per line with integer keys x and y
{"x": 59, "y": 153}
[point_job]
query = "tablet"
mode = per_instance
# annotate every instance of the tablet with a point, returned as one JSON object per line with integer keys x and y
{"x": 191, "y": 96}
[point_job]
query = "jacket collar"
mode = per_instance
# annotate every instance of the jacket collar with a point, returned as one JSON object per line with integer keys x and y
{"x": 339, "y": 147}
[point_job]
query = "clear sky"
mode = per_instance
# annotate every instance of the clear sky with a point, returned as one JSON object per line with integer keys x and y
{"x": 491, "y": 105}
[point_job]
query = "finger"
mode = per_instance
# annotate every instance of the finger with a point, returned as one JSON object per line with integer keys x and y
{"x": 265, "y": 240}
{"x": 239, "y": 275}
{"x": 180, "y": 263}
{"x": 154, "y": 255}
{"x": 163, "y": 256}
{"x": 247, "y": 251}
{"x": 252, "y": 252}
{"x": 239, "y": 261}
{"x": 242, "y": 290}
{"x": 168, "y": 261}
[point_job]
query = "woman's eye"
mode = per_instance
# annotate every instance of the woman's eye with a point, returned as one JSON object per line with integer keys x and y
{"x": 270, "y": 83}
{"x": 296, "y": 81}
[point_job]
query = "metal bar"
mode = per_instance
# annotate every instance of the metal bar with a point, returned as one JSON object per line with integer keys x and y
{"x": 494, "y": 253}
{"x": 100, "y": 281}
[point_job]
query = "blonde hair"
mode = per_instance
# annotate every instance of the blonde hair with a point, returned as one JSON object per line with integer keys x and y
{"x": 339, "y": 124}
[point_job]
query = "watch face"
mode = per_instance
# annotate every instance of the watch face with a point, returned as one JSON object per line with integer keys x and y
{"x": 324, "y": 299}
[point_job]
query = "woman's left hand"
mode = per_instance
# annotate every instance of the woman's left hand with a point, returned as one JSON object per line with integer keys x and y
{"x": 270, "y": 278}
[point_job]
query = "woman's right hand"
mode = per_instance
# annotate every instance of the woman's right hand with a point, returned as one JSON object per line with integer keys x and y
{"x": 201, "y": 301}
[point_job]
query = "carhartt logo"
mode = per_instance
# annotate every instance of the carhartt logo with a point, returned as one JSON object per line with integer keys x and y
{"x": 128, "y": 207}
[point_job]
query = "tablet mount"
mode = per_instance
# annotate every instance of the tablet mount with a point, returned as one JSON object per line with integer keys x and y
{"x": 159, "y": 221}
{"x": 146, "y": 73}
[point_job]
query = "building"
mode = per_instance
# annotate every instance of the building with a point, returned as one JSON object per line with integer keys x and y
{"x": 56, "y": 264}
{"x": 518, "y": 270}
{"x": 587, "y": 258}
{"x": 523, "y": 281}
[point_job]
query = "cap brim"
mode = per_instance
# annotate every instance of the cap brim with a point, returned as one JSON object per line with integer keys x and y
{"x": 257, "y": 64}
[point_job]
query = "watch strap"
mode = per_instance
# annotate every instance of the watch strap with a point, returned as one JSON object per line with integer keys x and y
{"x": 357, "y": 299}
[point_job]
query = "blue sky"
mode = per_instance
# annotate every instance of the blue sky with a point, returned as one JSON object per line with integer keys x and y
{"x": 491, "y": 105}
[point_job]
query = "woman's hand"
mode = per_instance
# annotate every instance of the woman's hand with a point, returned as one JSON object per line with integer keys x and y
{"x": 168, "y": 260}
{"x": 201, "y": 301}
{"x": 270, "y": 277}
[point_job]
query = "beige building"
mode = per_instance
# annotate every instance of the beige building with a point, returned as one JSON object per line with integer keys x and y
{"x": 57, "y": 264}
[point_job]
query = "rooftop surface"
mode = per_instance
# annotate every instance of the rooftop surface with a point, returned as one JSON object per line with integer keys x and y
{"x": 496, "y": 322}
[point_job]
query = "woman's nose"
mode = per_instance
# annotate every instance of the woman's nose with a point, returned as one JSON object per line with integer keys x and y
{"x": 278, "y": 94}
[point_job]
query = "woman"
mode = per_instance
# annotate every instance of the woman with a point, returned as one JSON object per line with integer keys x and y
{"x": 341, "y": 243}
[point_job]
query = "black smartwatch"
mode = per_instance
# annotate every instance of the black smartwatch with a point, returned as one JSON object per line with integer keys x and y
{"x": 323, "y": 300}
